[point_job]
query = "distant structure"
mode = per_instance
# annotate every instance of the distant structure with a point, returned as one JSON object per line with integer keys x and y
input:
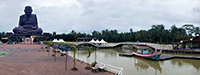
{"x": 195, "y": 41}
{"x": 4, "y": 39}
{"x": 54, "y": 33}
{"x": 192, "y": 44}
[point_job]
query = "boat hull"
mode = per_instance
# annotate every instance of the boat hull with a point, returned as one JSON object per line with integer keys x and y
{"x": 155, "y": 56}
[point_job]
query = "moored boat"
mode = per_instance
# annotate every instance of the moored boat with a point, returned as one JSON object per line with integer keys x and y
{"x": 143, "y": 51}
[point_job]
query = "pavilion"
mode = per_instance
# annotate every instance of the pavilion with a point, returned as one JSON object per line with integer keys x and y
{"x": 194, "y": 43}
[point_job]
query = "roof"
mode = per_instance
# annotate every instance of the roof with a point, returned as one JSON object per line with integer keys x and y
{"x": 142, "y": 47}
{"x": 55, "y": 40}
{"x": 97, "y": 41}
{"x": 102, "y": 41}
{"x": 60, "y": 40}
{"x": 195, "y": 39}
{"x": 92, "y": 41}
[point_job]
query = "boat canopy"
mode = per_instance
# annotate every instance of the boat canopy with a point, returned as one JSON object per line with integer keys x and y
{"x": 142, "y": 49}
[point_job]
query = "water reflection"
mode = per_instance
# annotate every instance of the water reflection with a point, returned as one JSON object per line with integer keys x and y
{"x": 138, "y": 66}
{"x": 183, "y": 62}
{"x": 143, "y": 64}
{"x": 112, "y": 53}
{"x": 85, "y": 52}
{"x": 100, "y": 51}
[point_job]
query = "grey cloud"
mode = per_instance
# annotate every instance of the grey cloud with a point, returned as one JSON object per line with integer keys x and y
{"x": 88, "y": 15}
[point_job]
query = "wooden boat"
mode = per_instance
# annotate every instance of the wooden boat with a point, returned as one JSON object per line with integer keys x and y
{"x": 143, "y": 51}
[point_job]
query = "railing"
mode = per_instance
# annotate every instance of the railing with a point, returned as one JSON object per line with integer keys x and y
{"x": 111, "y": 68}
{"x": 159, "y": 46}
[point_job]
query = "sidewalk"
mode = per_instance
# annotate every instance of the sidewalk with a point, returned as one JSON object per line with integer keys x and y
{"x": 28, "y": 60}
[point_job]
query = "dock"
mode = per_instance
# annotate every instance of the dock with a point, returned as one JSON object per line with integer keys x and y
{"x": 166, "y": 56}
{"x": 182, "y": 51}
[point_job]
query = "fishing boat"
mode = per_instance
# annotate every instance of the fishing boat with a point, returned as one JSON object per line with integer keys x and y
{"x": 143, "y": 51}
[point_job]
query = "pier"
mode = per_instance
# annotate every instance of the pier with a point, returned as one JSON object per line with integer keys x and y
{"x": 166, "y": 56}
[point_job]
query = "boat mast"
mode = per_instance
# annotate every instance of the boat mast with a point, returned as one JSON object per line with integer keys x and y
{"x": 155, "y": 47}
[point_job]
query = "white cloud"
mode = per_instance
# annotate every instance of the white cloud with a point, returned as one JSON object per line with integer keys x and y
{"x": 88, "y": 15}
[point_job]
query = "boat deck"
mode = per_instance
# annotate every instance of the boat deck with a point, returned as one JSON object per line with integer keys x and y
{"x": 166, "y": 56}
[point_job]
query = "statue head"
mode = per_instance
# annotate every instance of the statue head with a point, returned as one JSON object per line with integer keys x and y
{"x": 28, "y": 10}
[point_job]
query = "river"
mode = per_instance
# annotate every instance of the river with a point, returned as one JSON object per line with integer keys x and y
{"x": 138, "y": 66}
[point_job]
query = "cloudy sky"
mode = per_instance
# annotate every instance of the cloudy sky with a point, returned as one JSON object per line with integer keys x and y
{"x": 63, "y": 16}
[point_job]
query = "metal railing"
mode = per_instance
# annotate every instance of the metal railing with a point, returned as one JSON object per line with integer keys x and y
{"x": 159, "y": 46}
{"x": 111, "y": 68}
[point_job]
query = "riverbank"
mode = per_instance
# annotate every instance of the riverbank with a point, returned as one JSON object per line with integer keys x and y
{"x": 32, "y": 60}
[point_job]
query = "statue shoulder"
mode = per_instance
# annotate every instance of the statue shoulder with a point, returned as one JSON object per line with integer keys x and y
{"x": 33, "y": 14}
{"x": 23, "y": 15}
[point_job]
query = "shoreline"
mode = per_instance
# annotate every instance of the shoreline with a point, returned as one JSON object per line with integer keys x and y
{"x": 31, "y": 60}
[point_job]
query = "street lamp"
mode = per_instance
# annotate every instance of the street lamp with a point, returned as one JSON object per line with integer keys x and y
{"x": 181, "y": 41}
{"x": 197, "y": 34}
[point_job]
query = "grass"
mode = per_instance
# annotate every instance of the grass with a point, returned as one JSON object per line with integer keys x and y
{"x": 4, "y": 54}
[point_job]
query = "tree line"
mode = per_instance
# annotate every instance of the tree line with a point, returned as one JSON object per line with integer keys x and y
{"x": 157, "y": 34}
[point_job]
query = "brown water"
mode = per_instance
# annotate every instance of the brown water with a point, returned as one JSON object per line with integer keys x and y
{"x": 138, "y": 66}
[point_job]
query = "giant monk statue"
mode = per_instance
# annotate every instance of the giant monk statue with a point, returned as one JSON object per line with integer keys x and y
{"x": 28, "y": 24}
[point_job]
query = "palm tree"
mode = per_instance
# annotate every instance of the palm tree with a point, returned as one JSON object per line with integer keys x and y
{"x": 74, "y": 68}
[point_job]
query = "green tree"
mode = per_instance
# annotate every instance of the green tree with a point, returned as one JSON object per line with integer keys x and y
{"x": 189, "y": 28}
{"x": 159, "y": 30}
{"x": 196, "y": 30}
{"x": 174, "y": 31}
